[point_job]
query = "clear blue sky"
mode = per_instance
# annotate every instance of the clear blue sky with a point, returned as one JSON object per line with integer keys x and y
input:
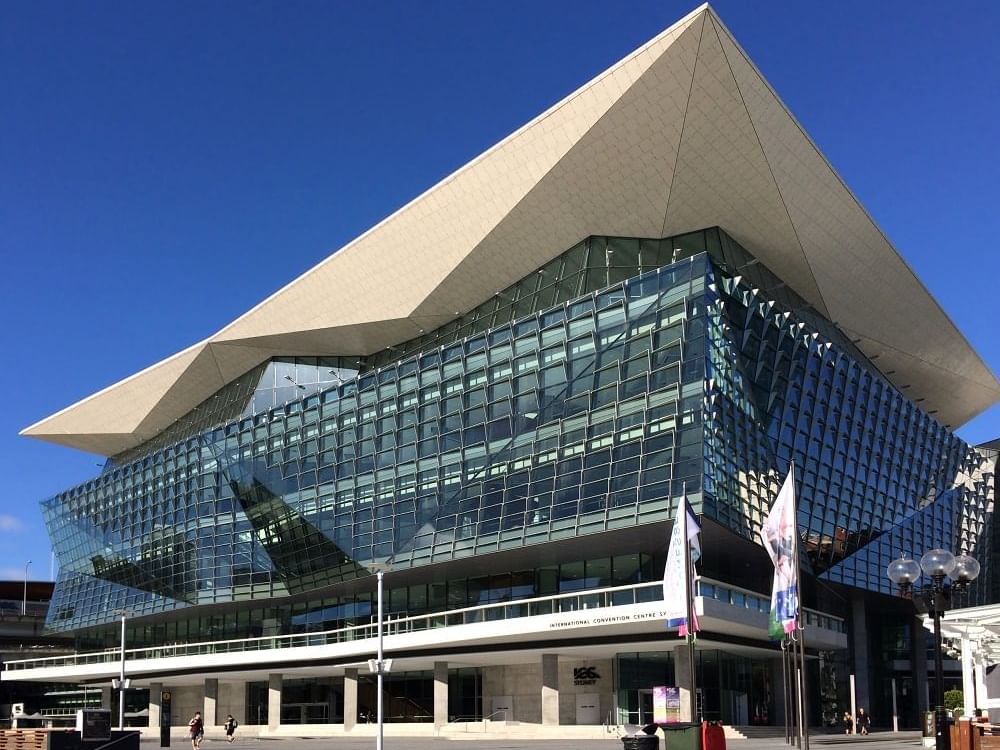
{"x": 164, "y": 166}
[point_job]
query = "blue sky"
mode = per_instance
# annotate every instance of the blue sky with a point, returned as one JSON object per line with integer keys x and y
{"x": 165, "y": 166}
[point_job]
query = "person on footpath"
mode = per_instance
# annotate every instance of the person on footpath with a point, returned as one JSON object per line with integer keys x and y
{"x": 231, "y": 725}
{"x": 864, "y": 721}
{"x": 197, "y": 728}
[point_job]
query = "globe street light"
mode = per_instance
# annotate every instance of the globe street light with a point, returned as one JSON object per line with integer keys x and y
{"x": 937, "y": 565}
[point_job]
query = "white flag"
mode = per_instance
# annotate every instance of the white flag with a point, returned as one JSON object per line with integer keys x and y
{"x": 779, "y": 536}
{"x": 675, "y": 589}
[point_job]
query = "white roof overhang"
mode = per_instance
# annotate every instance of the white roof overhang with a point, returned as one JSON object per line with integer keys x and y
{"x": 682, "y": 134}
{"x": 977, "y": 628}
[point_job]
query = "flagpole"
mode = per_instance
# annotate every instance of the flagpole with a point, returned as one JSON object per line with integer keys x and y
{"x": 786, "y": 683}
{"x": 799, "y": 628}
{"x": 692, "y": 676}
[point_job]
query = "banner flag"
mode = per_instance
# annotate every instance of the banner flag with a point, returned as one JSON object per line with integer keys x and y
{"x": 775, "y": 629}
{"x": 779, "y": 536}
{"x": 678, "y": 589}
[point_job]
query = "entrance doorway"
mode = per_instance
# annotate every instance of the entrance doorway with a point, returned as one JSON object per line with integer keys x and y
{"x": 638, "y": 707}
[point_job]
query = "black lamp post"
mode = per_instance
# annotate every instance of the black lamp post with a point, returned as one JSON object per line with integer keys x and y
{"x": 937, "y": 565}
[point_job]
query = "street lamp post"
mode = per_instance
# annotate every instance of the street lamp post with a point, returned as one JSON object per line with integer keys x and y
{"x": 937, "y": 565}
{"x": 379, "y": 697}
{"x": 122, "y": 682}
{"x": 381, "y": 665}
{"x": 24, "y": 601}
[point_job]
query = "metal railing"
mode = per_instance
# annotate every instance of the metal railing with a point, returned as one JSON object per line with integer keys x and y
{"x": 11, "y": 608}
{"x": 474, "y": 719}
{"x": 616, "y": 596}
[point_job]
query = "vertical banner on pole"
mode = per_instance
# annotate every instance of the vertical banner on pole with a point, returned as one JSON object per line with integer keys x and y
{"x": 679, "y": 589}
{"x": 780, "y": 537}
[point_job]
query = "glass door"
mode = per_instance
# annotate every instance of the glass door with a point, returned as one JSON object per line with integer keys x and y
{"x": 645, "y": 707}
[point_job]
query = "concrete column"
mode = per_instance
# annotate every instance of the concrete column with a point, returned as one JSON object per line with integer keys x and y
{"x": 682, "y": 676}
{"x": 920, "y": 666}
{"x": 237, "y": 703}
{"x": 154, "y": 704}
{"x": 859, "y": 643}
{"x": 273, "y": 701}
{"x": 550, "y": 689}
{"x": 106, "y": 695}
{"x": 350, "y": 699}
{"x": 440, "y": 693}
{"x": 209, "y": 710}
{"x": 980, "y": 664}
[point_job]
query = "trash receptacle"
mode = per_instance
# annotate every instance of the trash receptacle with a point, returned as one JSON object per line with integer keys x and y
{"x": 713, "y": 736}
{"x": 682, "y": 736}
{"x": 641, "y": 742}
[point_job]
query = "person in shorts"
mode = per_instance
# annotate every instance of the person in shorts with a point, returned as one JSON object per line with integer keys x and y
{"x": 231, "y": 725}
{"x": 197, "y": 729}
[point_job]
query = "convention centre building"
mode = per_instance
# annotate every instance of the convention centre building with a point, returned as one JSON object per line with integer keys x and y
{"x": 658, "y": 287}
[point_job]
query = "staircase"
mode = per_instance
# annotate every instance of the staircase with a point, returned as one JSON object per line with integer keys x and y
{"x": 753, "y": 732}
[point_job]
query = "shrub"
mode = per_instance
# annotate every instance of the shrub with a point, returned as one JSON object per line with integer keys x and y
{"x": 954, "y": 699}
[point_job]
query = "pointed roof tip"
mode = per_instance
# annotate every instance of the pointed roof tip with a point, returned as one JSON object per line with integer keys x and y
{"x": 704, "y": 8}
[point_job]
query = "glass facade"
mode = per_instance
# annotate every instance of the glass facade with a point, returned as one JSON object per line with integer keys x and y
{"x": 583, "y": 399}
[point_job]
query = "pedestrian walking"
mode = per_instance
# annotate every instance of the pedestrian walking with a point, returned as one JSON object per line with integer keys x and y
{"x": 848, "y": 721}
{"x": 197, "y": 729}
{"x": 864, "y": 721}
{"x": 231, "y": 725}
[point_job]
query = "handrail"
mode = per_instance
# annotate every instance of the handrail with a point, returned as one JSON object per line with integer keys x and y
{"x": 610, "y": 596}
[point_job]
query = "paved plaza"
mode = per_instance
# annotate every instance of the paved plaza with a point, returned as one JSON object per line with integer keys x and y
{"x": 876, "y": 741}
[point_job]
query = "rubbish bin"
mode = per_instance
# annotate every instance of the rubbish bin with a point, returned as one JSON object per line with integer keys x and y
{"x": 641, "y": 742}
{"x": 682, "y": 736}
{"x": 713, "y": 736}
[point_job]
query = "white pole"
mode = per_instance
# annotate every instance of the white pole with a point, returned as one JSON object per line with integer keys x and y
{"x": 121, "y": 682}
{"x": 378, "y": 663}
{"x": 24, "y": 601}
{"x": 854, "y": 706}
{"x": 895, "y": 715}
{"x": 689, "y": 610}
{"x": 968, "y": 675}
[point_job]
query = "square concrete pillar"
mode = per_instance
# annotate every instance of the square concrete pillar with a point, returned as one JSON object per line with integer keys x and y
{"x": 209, "y": 710}
{"x": 859, "y": 652}
{"x": 236, "y": 703}
{"x": 106, "y": 697}
{"x": 273, "y": 701}
{"x": 683, "y": 654}
{"x": 550, "y": 689}
{"x": 440, "y": 693}
{"x": 350, "y": 699}
{"x": 154, "y": 704}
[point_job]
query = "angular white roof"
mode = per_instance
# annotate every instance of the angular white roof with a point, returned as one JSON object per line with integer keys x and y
{"x": 682, "y": 134}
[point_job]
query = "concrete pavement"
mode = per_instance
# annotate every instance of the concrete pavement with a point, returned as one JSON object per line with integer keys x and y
{"x": 876, "y": 741}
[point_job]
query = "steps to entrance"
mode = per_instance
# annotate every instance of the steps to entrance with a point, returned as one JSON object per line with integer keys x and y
{"x": 753, "y": 732}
